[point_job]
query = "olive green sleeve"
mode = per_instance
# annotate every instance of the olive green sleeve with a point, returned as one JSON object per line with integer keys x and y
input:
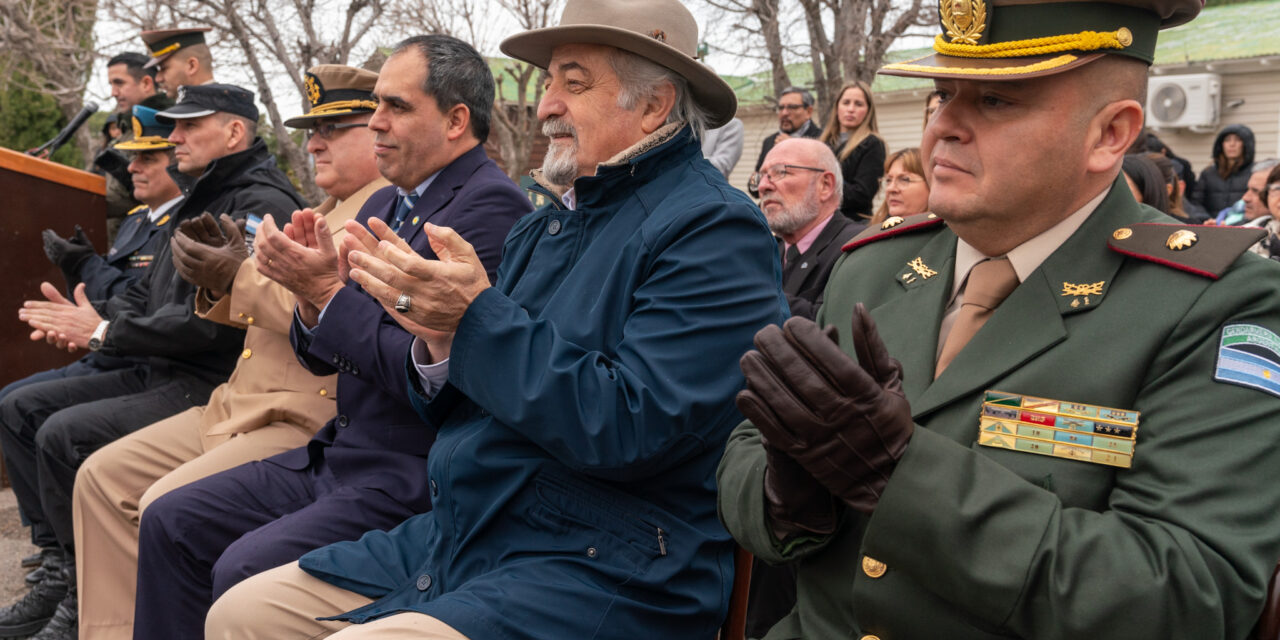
{"x": 742, "y": 505}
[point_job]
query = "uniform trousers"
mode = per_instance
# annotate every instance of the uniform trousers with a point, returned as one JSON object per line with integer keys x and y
{"x": 199, "y": 540}
{"x": 116, "y": 484}
{"x": 49, "y": 428}
{"x": 285, "y": 602}
{"x": 80, "y": 367}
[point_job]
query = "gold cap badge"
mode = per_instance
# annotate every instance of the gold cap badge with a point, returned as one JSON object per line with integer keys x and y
{"x": 313, "y": 90}
{"x": 1181, "y": 239}
{"x": 964, "y": 20}
{"x": 137, "y": 127}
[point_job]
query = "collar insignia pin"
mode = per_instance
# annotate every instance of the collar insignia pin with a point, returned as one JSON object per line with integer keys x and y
{"x": 1085, "y": 290}
{"x": 919, "y": 267}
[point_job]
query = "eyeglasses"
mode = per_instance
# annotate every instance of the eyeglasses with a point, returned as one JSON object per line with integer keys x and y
{"x": 790, "y": 107}
{"x": 903, "y": 181}
{"x": 779, "y": 171}
{"x": 327, "y": 131}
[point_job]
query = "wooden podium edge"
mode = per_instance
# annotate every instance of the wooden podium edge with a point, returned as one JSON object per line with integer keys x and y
{"x": 52, "y": 171}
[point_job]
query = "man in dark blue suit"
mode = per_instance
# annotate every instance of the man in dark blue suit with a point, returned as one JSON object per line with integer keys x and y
{"x": 367, "y": 468}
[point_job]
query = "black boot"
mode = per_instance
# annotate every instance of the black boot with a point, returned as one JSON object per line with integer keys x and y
{"x": 65, "y": 622}
{"x": 33, "y": 560}
{"x": 29, "y": 614}
{"x": 37, "y": 574}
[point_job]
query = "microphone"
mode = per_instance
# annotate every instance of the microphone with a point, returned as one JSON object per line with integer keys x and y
{"x": 51, "y": 146}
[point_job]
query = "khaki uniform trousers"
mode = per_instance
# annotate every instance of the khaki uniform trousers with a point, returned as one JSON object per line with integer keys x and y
{"x": 114, "y": 486}
{"x": 285, "y": 602}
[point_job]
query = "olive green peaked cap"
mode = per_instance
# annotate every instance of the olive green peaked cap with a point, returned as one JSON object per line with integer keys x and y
{"x": 1014, "y": 39}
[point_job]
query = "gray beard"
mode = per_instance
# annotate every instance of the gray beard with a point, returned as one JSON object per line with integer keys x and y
{"x": 560, "y": 165}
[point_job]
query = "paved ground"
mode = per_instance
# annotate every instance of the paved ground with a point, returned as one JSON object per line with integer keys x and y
{"x": 14, "y": 544}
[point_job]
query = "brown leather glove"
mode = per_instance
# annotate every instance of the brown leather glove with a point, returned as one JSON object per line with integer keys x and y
{"x": 208, "y": 252}
{"x": 796, "y": 502}
{"x": 847, "y": 423}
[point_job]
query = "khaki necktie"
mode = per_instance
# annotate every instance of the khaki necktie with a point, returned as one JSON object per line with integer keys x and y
{"x": 990, "y": 282}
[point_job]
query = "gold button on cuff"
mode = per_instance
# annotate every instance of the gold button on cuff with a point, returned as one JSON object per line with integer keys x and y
{"x": 1123, "y": 233}
{"x": 246, "y": 353}
{"x": 242, "y": 315}
{"x": 872, "y": 567}
{"x": 249, "y": 320}
{"x": 324, "y": 392}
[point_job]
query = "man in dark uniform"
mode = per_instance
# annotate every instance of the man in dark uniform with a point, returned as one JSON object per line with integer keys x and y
{"x": 142, "y": 234}
{"x": 1077, "y": 436}
{"x": 139, "y": 237}
{"x": 48, "y": 429}
{"x": 180, "y": 57}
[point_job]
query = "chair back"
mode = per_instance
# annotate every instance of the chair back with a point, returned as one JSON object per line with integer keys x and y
{"x": 735, "y": 625}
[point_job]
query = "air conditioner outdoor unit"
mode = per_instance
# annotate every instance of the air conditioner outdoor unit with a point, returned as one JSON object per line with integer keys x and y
{"x": 1186, "y": 101}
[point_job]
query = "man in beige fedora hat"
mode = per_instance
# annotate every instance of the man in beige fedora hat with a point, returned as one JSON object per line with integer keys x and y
{"x": 1064, "y": 425}
{"x": 580, "y": 403}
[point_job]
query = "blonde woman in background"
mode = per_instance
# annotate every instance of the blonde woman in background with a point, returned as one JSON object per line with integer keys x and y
{"x": 906, "y": 190}
{"x": 852, "y": 133}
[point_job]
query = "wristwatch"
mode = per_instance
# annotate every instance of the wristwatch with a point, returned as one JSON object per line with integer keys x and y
{"x": 99, "y": 334}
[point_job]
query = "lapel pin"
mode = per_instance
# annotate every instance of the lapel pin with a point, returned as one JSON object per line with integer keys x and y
{"x": 1082, "y": 290}
{"x": 921, "y": 270}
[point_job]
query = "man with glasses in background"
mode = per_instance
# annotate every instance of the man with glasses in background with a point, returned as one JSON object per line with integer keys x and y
{"x": 271, "y": 404}
{"x": 800, "y": 187}
{"x": 795, "y": 120}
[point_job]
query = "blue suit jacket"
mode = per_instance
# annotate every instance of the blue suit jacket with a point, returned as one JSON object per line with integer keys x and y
{"x": 376, "y": 439}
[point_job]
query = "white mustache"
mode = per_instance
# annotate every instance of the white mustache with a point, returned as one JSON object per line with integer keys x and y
{"x": 559, "y": 127}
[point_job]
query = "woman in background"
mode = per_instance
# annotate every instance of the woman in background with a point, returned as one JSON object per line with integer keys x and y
{"x": 906, "y": 191}
{"x": 852, "y": 133}
{"x": 1222, "y": 183}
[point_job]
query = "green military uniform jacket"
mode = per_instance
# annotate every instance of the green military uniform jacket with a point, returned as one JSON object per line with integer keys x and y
{"x": 971, "y": 541}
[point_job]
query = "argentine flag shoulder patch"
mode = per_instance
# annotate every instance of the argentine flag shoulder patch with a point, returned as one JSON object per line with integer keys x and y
{"x": 1249, "y": 356}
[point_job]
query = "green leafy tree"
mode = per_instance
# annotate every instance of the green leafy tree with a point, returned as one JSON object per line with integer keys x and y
{"x": 29, "y": 118}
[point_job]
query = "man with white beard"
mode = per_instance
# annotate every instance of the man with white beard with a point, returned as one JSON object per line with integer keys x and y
{"x": 800, "y": 186}
{"x": 582, "y": 402}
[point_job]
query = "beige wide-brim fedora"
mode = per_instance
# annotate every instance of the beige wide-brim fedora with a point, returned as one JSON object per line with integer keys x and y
{"x": 661, "y": 31}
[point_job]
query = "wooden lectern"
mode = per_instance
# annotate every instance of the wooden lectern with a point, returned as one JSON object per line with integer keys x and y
{"x": 40, "y": 195}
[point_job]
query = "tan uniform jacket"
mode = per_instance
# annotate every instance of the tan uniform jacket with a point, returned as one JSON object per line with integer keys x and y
{"x": 268, "y": 384}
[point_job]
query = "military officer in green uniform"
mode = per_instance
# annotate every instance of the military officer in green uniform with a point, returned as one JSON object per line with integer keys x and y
{"x": 1041, "y": 411}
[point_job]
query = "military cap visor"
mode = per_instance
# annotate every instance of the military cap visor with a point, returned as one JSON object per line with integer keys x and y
{"x": 1016, "y": 39}
{"x": 165, "y": 42}
{"x": 197, "y": 101}
{"x": 335, "y": 90}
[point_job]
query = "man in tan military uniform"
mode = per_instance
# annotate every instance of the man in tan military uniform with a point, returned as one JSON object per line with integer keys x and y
{"x": 1065, "y": 424}
{"x": 180, "y": 57}
{"x": 269, "y": 405}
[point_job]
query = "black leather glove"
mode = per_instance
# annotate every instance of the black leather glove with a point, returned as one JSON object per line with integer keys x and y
{"x": 117, "y": 165}
{"x": 67, "y": 253}
{"x": 847, "y": 423}
{"x": 208, "y": 252}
